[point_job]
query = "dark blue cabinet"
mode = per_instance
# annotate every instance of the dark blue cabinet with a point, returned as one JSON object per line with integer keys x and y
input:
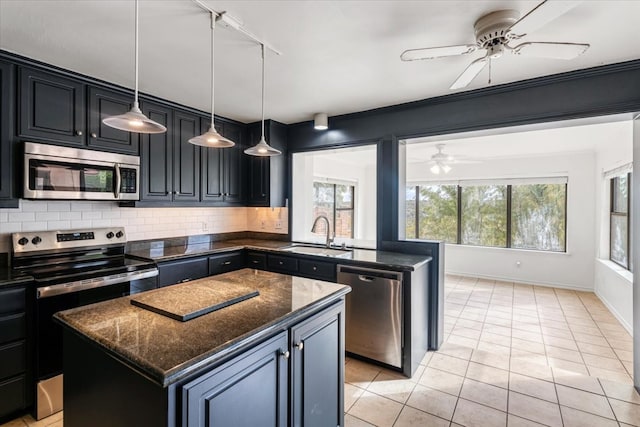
{"x": 156, "y": 166}
{"x": 7, "y": 169}
{"x": 186, "y": 157}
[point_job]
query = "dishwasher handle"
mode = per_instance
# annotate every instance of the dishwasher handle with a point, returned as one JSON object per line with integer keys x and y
{"x": 369, "y": 274}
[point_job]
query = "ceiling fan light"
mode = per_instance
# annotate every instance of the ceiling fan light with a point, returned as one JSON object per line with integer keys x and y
{"x": 211, "y": 139}
{"x": 134, "y": 121}
{"x": 435, "y": 169}
{"x": 446, "y": 168}
{"x": 262, "y": 149}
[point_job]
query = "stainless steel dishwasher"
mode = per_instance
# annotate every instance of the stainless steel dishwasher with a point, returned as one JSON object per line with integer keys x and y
{"x": 373, "y": 313}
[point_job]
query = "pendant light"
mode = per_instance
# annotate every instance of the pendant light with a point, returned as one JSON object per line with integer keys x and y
{"x": 212, "y": 138}
{"x": 262, "y": 148}
{"x": 134, "y": 120}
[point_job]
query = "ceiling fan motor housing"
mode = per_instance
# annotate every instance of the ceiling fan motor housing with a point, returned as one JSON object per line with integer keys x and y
{"x": 491, "y": 30}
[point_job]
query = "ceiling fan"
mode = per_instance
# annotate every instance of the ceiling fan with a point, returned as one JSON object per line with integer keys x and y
{"x": 442, "y": 161}
{"x": 496, "y": 30}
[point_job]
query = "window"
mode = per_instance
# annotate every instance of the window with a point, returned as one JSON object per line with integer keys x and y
{"x": 335, "y": 201}
{"x": 619, "y": 231}
{"x": 522, "y": 214}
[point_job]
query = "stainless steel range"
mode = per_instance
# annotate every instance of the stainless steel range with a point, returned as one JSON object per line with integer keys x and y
{"x": 71, "y": 269}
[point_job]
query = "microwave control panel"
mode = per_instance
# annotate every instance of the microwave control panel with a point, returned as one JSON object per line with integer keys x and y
{"x": 128, "y": 180}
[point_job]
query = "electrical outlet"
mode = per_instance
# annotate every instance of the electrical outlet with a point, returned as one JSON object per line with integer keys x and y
{"x": 205, "y": 226}
{"x": 263, "y": 225}
{"x": 278, "y": 225}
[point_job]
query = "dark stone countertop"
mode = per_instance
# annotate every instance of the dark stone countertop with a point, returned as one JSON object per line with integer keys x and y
{"x": 9, "y": 277}
{"x": 161, "y": 250}
{"x": 168, "y": 350}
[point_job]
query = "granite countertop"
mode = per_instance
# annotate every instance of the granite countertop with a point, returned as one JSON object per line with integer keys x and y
{"x": 161, "y": 250}
{"x": 9, "y": 277}
{"x": 168, "y": 350}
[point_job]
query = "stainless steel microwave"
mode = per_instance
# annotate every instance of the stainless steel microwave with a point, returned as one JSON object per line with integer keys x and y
{"x": 53, "y": 172}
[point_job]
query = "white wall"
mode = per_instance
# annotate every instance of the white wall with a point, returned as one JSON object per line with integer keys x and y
{"x": 573, "y": 269}
{"x": 139, "y": 223}
{"x": 613, "y": 284}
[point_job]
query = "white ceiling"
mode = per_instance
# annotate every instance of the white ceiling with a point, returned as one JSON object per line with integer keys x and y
{"x": 338, "y": 56}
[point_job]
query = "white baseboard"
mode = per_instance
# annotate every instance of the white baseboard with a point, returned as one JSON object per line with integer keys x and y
{"x": 510, "y": 279}
{"x": 615, "y": 313}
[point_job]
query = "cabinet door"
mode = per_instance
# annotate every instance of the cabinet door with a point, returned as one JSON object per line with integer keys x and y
{"x": 258, "y": 181}
{"x": 172, "y": 272}
{"x": 212, "y": 164}
{"x": 226, "y": 262}
{"x": 248, "y": 391}
{"x": 155, "y": 156}
{"x": 186, "y": 157}
{"x": 317, "y": 359}
{"x": 232, "y": 165}
{"x": 13, "y": 395}
{"x": 106, "y": 103}
{"x": 51, "y": 108}
{"x": 6, "y": 113}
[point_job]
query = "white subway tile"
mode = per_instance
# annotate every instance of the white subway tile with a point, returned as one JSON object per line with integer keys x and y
{"x": 100, "y": 222}
{"x": 33, "y": 206}
{"x": 80, "y": 206}
{"x": 111, "y": 214}
{"x": 80, "y": 223}
{"x": 21, "y": 216}
{"x": 4, "y": 216}
{"x": 10, "y": 227}
{"x": 47, "y": 216}
{"x": 128, "y": 212}
{"x": 70, "y": 215}
{"x": 59, "y": 206}
{"x": 91, "y": 215}
{"x": 58, "y": 225}
{"x": 34, "y": 226}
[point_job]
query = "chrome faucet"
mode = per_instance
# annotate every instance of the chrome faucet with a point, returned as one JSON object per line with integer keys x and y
{"x": 329, "y": 238}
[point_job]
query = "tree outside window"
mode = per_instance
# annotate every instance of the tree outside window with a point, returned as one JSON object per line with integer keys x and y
{"x": 619, "y": 216}
{"x": 336, "y": 202}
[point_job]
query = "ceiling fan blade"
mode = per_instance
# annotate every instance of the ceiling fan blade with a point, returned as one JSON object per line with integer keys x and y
{"x": 551, "y": 50}
{"x": 470, "y": 73}
{"x": 540, "y": 16}
{"x": 437, "y": 52}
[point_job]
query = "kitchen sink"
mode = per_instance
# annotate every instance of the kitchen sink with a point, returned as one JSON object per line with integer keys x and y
{"x": 318, "y": 250}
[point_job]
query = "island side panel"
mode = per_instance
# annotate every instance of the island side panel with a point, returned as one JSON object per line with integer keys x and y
{"x": 100, "y": 391}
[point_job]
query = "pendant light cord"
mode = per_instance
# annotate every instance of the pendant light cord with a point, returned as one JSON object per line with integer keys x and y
{"x": 262, "y": 47}
{"x": 213, "y": 26}
{"x": 135, "y": 99}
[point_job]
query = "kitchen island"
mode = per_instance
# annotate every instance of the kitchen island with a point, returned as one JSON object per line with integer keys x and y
{"x": 273, "y": 359}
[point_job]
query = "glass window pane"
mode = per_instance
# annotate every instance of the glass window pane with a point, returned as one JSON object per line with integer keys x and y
{"x": 620, "y": 194}
{"x": 484, "y": 215}
{"x": 438, "y": 213}
{"x": 344, "y": 196}
{"x": 410, "y": 212}
{"x": 538, "y": 216}
{"x": 619, "y": 239}
{"x": 323, "y": 204}
{"x": 344, "y": 223}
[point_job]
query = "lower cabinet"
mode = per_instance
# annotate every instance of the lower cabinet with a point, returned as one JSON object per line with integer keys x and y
{"x": 172, "y": 272}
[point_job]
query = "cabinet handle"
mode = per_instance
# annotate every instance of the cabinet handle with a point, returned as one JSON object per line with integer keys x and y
{"x": 264, "y": 195}
{"x": 280, "y": 262}
{"x": 300, "y": 345}
{"x": 93, "y": 135}
{"x": 255, "y": 261}
{"x": 315, "y": 268}
{"x": 285, "y": 354}
{"x": 226, "y": 263}
{"x": 185, "y": 280}
{"x": 79, "y": 132}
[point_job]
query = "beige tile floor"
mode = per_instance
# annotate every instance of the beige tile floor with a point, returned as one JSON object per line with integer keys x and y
{"x": 514, "y": 355}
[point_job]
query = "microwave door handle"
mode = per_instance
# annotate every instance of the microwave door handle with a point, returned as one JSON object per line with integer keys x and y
{"x": 116, "y": 191}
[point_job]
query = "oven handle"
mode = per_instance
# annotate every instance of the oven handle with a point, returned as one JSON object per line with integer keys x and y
{"x": 116, "y": 191}
{"x": 98, "y": 282}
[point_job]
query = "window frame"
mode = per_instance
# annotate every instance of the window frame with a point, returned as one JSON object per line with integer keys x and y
{"x": 627, "y": 214}
{"x": 335, "y": 184}
{"x": 509, "y": 227}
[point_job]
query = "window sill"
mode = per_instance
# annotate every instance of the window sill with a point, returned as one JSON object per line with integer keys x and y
{"x": 508, "y": 250}
{"x": 621, "y": 271}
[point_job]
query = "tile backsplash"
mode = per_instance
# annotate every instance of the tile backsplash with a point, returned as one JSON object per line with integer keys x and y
{"x": 139, "y": 223}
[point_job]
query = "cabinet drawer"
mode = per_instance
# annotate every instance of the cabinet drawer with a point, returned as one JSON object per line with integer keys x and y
{"x": 282, "y": 263}
{"x": 257, "y": 260}
{"x": 226, "y": 262}
{"x": 12, "y": 327}
{"x": 318, "y": 269}
{"x": 12, "y": 300}
{"x": 12, "y": 395}
{"x": 170, "y": 273}
{"x": 12, "y": 359}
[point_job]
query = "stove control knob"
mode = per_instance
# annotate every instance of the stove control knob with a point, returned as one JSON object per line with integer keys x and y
{"x": 119, "y": 234}
{"x": 36, "y": 240}
{"x": 23, "y": 241}
{"x": 110, "y": 235}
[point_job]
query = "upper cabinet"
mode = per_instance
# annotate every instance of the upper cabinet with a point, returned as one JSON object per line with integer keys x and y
{"x": 268, "y": 175}
{"x": 7, "y": 169}
{"x": 156, "y": 154}
{"x": 186, "y": 157}
{"x": 222, "y": 168}
{"x": 55, "y": 109}
{"x": 52, "y": 108}
{"x": 106, "y": 103}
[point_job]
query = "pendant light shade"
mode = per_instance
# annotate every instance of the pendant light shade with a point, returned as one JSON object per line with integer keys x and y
{"x": 212, "y": 138}
{"x": 262, "y": 148}
{"x": 134, "y": 120}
